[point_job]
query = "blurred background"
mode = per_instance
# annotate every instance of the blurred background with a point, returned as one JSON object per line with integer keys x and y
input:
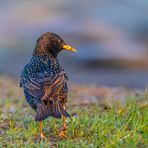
{"x": 111, "y": 37}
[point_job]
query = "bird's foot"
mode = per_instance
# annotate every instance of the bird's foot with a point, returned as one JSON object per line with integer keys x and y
{"x": 42, "y": 136}
{"x": 63, "y": 132}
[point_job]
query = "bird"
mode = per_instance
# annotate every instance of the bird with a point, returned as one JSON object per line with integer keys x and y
{"x": 44, "y": 81}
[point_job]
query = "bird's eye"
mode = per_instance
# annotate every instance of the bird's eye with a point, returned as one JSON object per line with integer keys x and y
{"x": 59, "y": 41}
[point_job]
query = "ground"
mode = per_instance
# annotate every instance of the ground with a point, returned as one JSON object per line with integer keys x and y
{"x": 100, "y": 118}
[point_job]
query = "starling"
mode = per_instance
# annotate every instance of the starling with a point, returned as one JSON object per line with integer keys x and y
{"x": 44, "y": 81}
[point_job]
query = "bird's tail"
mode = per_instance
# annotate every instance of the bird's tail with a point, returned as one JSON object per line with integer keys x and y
{"x": 55, "y": 109}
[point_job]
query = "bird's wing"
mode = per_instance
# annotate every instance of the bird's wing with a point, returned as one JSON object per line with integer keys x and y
{"x": 53, "y": 86}
{"x": 43, "y": 85}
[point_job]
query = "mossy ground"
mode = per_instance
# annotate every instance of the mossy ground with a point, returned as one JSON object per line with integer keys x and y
{"x": 123, "y": 126}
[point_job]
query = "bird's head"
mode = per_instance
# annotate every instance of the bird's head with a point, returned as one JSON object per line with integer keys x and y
{"x": 50, "y": 43}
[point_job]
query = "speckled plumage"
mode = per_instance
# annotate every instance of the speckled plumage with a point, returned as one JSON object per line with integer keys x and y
{"x": 43, "y": 79}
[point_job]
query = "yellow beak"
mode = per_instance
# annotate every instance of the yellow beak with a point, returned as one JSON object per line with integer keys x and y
{"x": 67, "y": 47}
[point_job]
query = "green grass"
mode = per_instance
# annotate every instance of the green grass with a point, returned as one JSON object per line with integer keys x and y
{"x": 122, "y": 126}
{"x": 104, "y": 125}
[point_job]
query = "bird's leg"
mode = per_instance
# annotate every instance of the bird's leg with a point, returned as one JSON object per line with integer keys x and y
{"x": 63, "y": 132}
{"x": 41, "y": 131}
{"x": 65, "y": 127}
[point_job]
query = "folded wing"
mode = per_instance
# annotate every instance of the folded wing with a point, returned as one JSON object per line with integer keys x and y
{"x": 43, "y": 85}
{"x": 47, "y": 88}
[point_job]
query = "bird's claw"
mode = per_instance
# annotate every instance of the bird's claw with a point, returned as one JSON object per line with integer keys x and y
{"x": 63, "y": 132}
{"x": 42, "y": 136}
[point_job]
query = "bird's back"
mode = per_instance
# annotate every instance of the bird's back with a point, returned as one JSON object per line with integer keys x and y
{"x": 36, "y": 67}
{"x": 39, "y": 65}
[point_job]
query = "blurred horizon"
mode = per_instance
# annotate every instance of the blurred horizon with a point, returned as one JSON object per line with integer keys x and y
{"x": 111, "y": 37}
